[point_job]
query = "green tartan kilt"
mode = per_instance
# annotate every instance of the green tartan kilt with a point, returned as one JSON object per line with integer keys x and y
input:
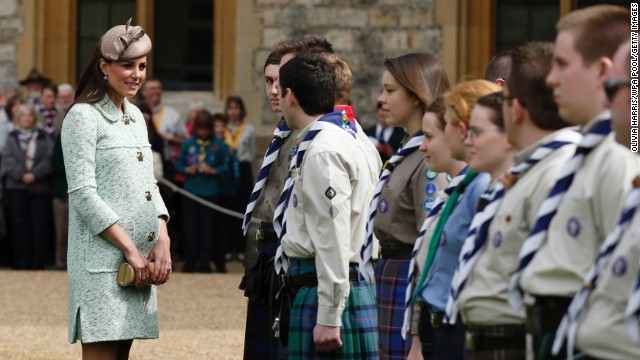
{"x": 359, "y": 330}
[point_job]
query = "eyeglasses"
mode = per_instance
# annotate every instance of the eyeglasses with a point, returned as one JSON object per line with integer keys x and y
{"x": 611, "y": 86}
{"x": 474, "y": 132}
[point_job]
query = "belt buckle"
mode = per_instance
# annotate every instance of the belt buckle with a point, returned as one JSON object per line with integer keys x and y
{"x": 436, "y": 320}
{"x": 259, "y": 234}
{"x": 469, "y": 341}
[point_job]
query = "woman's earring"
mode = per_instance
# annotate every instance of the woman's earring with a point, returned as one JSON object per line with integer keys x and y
{"x": 105, "y": 77}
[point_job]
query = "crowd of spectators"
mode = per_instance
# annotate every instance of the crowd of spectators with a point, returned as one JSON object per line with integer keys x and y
{"x": 208, "y": 155}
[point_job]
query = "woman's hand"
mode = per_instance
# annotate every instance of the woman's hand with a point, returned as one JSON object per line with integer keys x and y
{"x": 191, "y": 170}
{"x": 161, "y": 255}
{"x": 28, "y": 178}
{"x": 140, "y": 266}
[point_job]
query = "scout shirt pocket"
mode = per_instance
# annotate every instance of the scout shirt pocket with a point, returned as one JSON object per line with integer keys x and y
{"x": 102, "y": 256}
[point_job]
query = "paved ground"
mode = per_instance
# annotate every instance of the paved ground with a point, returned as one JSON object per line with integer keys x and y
{"x": 201, "y": 317}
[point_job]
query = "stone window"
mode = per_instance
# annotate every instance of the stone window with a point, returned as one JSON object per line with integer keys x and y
{"x": 520, "y": 21}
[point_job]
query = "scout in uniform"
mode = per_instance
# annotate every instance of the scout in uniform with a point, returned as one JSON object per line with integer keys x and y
{"x": 531, "y": 123}
{"x": 443, "y": 246}
{"x": 259, "y": 342}
{"x": 574, "y": 218}
{"x": 320, "y": 220}
{"x": 598, "y": 311}
{"x": 405, "y": 192}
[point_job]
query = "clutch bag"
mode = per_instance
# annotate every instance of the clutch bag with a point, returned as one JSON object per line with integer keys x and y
{"x": 126, "y": 274}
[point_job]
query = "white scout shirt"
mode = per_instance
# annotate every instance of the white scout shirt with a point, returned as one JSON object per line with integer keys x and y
{"x": 327, "y": 214}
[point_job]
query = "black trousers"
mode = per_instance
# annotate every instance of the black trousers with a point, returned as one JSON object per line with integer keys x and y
{"x": 198, "y": 236}
{"x": 31, "y": 228}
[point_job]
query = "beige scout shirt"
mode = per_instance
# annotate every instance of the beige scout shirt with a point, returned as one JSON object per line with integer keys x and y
{"x": 268, "y": 199}
{"x": 406, "y": 199}
{"x": 483, "y": 301}
{"x": 588, "y": 210}
{"x": 602, "y": 332}
{"x": 327, "y": 214}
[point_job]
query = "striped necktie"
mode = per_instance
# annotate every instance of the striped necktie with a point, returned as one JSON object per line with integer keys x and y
{"x": 569, "y": 326}
{"x": 328, "y": 121}
{"x": 433, "y": 214}
{"x": 550, "y": 205}
{"x": 366, "y": 252}
{"x": 281, "y": 132}
{"x": 479, "y": 228}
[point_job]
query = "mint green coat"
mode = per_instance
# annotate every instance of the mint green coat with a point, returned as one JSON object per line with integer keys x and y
{"x": 109, "y": 169}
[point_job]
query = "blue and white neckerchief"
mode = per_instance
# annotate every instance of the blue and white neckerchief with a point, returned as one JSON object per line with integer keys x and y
{"x": 281, "y": 132}
{"x": 328, "y": 121}
{"x": 366, "y": 252}
{"x": 538, "y": 236}
{"x": 479, "y": 228}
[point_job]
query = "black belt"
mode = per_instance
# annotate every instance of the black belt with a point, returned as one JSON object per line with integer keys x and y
{"x": 309, "y": 279}
{"x": 266, "y": 233}
{"x": 481, "y": 338}
{"x": 546, "y": 314}
{"x": 396, "y": 253}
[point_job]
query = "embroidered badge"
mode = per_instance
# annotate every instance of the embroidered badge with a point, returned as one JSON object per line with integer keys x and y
{"x": 497, "y": 239}
{"x": 573, "y": 227}
{"x": 295, "y": 200}
{"x": 333, "y": 211}
{"x": 443, "y": 238}
{"x": 431, "y": 188}
{"x": 428, "y": 204}
{"x": 330, "y": 193}
{"x": 619, "y": 266}
{"x": 449, "y": 178}
{"x": 430, "y": 174}
{"x": 383, "y": 205}
{"x": 192, "y": 149}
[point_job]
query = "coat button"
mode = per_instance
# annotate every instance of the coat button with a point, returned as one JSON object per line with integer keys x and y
{"x": 147, "y": 194}
{"x": 151, "y": 236}
{"x": 140, "y": 156}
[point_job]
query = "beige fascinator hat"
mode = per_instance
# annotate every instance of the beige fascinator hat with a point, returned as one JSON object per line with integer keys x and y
{"x": 125, "y": 42}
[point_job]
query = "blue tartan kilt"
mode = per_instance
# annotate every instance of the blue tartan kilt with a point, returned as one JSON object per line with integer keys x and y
{"x": 391, "y": 285}
{"x": 259, "y": 342}
{"x": 359, "y": 330}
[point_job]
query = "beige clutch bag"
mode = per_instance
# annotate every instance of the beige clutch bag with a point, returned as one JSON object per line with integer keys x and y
{"x": 127, "y": 276}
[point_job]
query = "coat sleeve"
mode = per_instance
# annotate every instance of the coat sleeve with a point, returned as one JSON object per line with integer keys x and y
{"x": 13, "y": 161}
{"x": 79, "y": 138}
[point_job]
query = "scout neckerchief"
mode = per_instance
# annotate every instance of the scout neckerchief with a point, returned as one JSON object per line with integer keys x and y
{"x": 202, "y": 155}
{"x": 281, "y": 132}
{"x": 159, "y": 117}
{"x": 366, "y": 252}
{"x": 479, "y": 228}
{"x": 569, "y": 326}
{"x": 550, "y": 205}
{"x": 437, "y": 207}
{"x": 231, "y": 136}
{"x": 327, "y": 121}
{"x": 48, "y": 115}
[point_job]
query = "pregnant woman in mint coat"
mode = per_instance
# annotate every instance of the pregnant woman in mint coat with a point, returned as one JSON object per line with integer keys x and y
{"x": 116, "y": 213}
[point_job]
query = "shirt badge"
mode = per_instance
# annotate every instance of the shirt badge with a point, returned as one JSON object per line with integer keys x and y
{"x": 573, "y": 227}
{"x": 295, "y": 200}
{"x": 431, "y": 188}
{"x": 383, "y": 206}
{"x": 619, "y": 267}
{"x": 430, "y": 175}
{"x": 330, "y": 193}
{"x": 333, "y": 211}
{"x": 497, "y": 239}
{"x": 428, "y": 204}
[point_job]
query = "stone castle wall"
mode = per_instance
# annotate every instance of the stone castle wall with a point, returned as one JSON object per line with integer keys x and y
{"x": 11, "y": 25}
{"x": 363, "y": 32}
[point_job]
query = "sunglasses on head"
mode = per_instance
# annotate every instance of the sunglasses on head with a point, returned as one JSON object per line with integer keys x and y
{"x": 611, "y": 86}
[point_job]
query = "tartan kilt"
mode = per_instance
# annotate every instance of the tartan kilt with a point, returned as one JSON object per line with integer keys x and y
{"x": 359, "y": 330}
{"x": 391, "y": 285}
{"x": 504, "y": 353}
{"x": 259, "y": 342}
